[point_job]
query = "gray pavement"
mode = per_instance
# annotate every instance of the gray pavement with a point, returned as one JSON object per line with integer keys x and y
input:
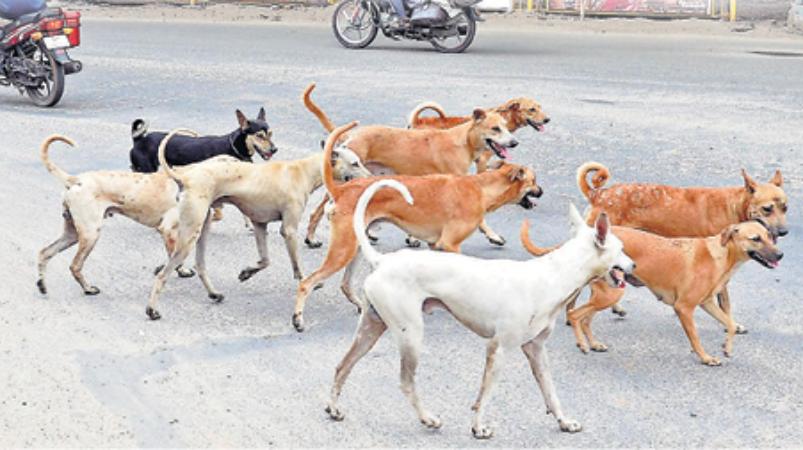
{"x": 91, "y": 371}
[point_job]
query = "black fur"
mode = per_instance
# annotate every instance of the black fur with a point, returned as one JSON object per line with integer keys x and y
{"x": 183, "y": 150}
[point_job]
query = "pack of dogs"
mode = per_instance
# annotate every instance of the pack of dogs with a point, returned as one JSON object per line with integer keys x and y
{"x": 683, "y": 244}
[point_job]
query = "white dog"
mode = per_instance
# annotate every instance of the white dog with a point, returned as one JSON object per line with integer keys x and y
{"x": 517, "y": 310}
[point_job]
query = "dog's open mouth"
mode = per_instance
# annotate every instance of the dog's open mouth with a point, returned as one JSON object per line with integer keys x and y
{"x": 762, "y": 260}
{"x": 618, "y": 277}
{"x": 528, "y": 201}
{"x": 538, "y": 126}
{"x": 499, "y": 149}
{"x": 267, "y": 154}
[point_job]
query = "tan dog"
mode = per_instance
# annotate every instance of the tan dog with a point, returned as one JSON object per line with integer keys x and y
{"x": 147, "y": 198}
{"x": 681, "y": 272}
{"x": 518, "y": 113}
{"x": 389, "y": 150}
{"x": 276, "y": 190}
{"x": 468, "y": 197}
{"x": 685, "y": 212}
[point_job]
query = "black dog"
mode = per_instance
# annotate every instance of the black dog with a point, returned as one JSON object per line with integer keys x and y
{"x": 253, "y": 136}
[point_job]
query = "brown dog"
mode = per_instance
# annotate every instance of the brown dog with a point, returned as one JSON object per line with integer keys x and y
{"x": 518, "y": 112}
{"x": 685, "y": 212}
{"x": 469, "y": 198}
{"x": 681, "y": 272}
{"x": 422, "y": 152}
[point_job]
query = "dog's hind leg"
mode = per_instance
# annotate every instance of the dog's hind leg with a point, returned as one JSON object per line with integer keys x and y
{"x": 410, "y": 339}
{"x": 88, "y": 233}
{"x": 288, "y": 230}
{"x": 200, "y": 261}
{"x": 492, "y": 353}
{"x": 539, "y": 364}
{"x": 725, "y": 303}
{"x": 369, "y": 331}
{"x": 314, "y": 220}
{"x": 68, "y": 238}
{"x": 260, "y": 233}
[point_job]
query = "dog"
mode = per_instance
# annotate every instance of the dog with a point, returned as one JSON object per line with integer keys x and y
{"x": 389, "y": 150}
{"x": 517, "y": 310}
{"x": 264, "y": 193}
{"x": 682, "y": 272}
{"x": 518, "y": 113}
{"x": 149, "y": 199}
{"x": 449, "y": 209}
{"x": 685, "y": 212}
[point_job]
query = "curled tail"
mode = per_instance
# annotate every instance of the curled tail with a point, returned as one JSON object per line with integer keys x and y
{"x": 412, "y": 119}
{"x": 533, "y": 249}
{"x": 314, "y": 109}
{"x": 600, "y": 177}
{"x": 163, "y": 145}
{"x": 371, "y": 255}
{"x": 328, "y": 177}
{"x": 51, "y": 167}
{"x": 139, "y": 128}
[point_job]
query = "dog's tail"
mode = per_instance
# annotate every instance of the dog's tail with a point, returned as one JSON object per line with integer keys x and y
{"x": 372, "y": 256}
{"x": 601, "y": 176}
{"x": 412, "y": 119}
{"x": 534, "y": 250}
{"x": 163, "y": 146}
{"x": 327, "y": 124}
{"x": 67, "y": 179}
{"x": 328, "y": 177}
{"x": 139, "y": 128}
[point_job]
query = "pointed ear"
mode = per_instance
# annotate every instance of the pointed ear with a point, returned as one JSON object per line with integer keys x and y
{"x": 515, "y": 106}
{"x": 517, "y": 174}
{"x": 602, "y": 226}
{"x": 478, "y": 114}
{"x": 749, "y": 183}
{"x": 777, "y": 179}
{"x": 727, "y": 235}
{"x": 261, "y": 115}
{"x": 242, "y": 120}
{"x": 575, "y": 218}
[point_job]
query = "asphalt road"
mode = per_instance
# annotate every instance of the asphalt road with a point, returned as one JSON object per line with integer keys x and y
{"x": 89, "y": 371}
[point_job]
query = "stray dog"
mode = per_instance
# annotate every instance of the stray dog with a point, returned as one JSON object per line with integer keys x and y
{"x": 518, "y": 113}
{"x": 449, "y": 208}
{"x": 683, "y": 273}
{"x": 517, "y": 310}
{"x": 90, "y": 197}
{"x": 264, "y": 193}
{"x": 685, "y": 212}
{"x": 400, "y": 151}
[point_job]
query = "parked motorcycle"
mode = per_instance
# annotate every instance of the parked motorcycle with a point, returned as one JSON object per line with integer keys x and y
{"x": 33, "y": 52}
{"x": 449, "y": 25}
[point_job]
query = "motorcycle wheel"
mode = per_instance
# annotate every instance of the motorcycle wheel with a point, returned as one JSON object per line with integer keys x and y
{"x": 52, "y": 88}
{"x": 351, "y": 17}
{"x": 458, "y": 43}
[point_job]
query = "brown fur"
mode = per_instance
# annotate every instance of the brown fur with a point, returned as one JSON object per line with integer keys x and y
{"x": 682, "y": 272}
{"x": 469, "y": 198}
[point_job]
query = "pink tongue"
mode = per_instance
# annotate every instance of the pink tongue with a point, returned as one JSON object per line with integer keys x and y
{"x": 540, "y": 128}
{"x": 503, "y": 152}
{"x": 775, "y": 264}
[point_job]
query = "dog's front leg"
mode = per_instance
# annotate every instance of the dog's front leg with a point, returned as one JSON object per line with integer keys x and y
{"x": 493, "y": 238}
{"x": 314, "y": 220}
{"x": 492, "y": 354}
{"x": 200, "y": 261}
{"x": 260, "y": 234}
{"x": 536, "y": 355}
{"x": 725, "y": 303}
{"x": 711, "y": 307}
{"x": 345, "y": 284}
{"x": 685, "y": 312}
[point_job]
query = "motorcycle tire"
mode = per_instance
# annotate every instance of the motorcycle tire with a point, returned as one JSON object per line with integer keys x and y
{"x": 55, "y": 84}
{"x": 471, "y": 31}
{"x": 362, "y": 43}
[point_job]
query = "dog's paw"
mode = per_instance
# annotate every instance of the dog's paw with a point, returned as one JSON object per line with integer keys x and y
{"x": 246, "y": 274}
{"x": 618, "y": 310}
{"x": 152, "y": 313}
{"x": 313, "y": 243}
{"x": 40, "y": 284}
{"x": 569, "y": 426}
{"x": 583, "y": 348}
{"x": 497, "y": 240}
{"x": 482, "y": 432}
{"x": 158, "y": 269}
{"x": 711, "y": 361}
{"x": 335, "y": 413}
{"x": 317, "y": 286}
{"x": 599, "y": 347}
{"x": 298, "y": 275}
{"x": 298, "y": 322}
{"x": 412, "y": 242}
{"x": 740, "y": 329}
{"x": 216, "y": 297}
{"x": 183, "y": 272}
{"x": 92, "y": 290}
{"x": 431, "y": 422}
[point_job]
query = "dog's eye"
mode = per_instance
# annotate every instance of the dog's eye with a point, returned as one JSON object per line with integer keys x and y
{"x": 355, "y": 164}
{"x": 756, "y": 238}
{"x": 767, "y": 209}
{"x": 532, "y": 109}
{"x": 784, "y": 208}
{"x": 497, "y": 129}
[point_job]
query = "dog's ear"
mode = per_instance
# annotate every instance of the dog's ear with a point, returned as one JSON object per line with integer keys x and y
{"x": 727, "y": 235}
{"x": 602, "y": 226}
{"x": 575, "y": 218}
{"x": 242, "y": 120}
{"x": 514, "y": 107}
{"x": 261, "y": 115}
{"x": 777, "y": 179}
{"x": 749, "y": 183}
{"x": 517, "y": 174}
{"x": 478, "y": 114}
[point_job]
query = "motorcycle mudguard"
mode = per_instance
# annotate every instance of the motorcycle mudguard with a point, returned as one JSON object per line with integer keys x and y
{"x": 473, "y": 14}
{"x": 70, "y": 66}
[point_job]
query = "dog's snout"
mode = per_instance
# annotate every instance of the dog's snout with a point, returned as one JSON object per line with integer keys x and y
{"x": 779, "y": 256}
{"x": 546, "y": 120}
{"x": 782, "y": 232}
{"x": 513, "y": 143}
{"x": 539, "y": 192}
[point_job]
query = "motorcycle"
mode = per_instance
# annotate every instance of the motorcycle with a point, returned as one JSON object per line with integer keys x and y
{"x": 449, "y": 25}
{"x": 33, "y": 53}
